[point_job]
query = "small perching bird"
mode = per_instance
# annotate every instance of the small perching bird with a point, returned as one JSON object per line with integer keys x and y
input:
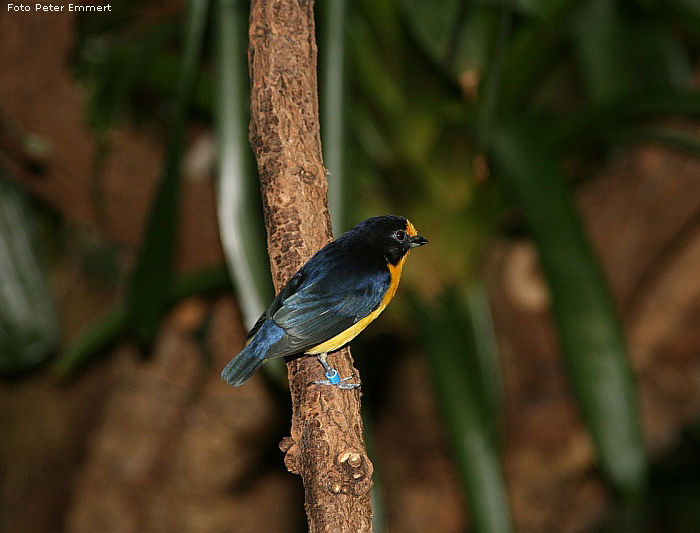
{"x": 331, "y": 299}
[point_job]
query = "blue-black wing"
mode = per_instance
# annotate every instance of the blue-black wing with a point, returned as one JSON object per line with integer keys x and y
{"x": 313, "y": 315}
{"x": 313, "y": 309}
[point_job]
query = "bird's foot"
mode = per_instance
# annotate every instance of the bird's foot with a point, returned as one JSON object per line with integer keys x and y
{"x": 332, "y": 378}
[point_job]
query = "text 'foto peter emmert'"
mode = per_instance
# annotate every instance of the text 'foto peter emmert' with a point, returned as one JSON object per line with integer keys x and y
{"x": 53, "y": 7}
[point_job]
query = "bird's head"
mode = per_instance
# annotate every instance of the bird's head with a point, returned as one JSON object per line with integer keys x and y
{"x": 391, "y": 236}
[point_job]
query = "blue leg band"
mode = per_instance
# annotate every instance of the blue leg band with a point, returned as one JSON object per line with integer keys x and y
{"x": 333, "y": 377}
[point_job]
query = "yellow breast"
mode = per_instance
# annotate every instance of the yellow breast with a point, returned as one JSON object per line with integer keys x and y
{"x": 346, "y": 336}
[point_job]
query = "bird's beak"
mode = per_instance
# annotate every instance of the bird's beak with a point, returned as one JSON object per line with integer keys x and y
{"x": 417, "y": 241}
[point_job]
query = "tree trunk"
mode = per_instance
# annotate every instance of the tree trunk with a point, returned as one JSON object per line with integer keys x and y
{"x": 326, "y": 446}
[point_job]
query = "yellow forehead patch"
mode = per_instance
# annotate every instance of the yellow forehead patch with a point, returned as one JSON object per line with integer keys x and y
{"x": 410, "y": 229}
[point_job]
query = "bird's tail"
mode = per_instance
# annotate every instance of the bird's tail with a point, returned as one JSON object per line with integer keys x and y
{"x": 243, "y": 366}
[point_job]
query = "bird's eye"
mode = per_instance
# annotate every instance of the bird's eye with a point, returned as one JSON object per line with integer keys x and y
{"x": 400, "y": 235}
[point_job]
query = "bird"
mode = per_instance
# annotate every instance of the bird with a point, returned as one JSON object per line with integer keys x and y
{"x": 333, "y": 297}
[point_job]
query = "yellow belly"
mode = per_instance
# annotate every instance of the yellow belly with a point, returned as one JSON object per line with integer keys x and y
{"x": 346, "y": 336}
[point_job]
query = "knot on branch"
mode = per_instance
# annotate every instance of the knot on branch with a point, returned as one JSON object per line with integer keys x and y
{"x": 291, "y": 454}
{"x": 308, "y": 174}
{"x": 352, "y": 474}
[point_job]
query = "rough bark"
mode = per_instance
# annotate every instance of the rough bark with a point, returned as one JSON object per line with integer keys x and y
{"x": 326, "y": 446}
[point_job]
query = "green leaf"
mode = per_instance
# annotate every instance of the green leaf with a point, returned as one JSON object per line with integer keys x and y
{"x": 486, "y": 350}
{"x": 238, "y": 199}
{"x": 664, "y": 136}
{"x": 114, "y": 67}
{"x": 457, "y": 352}
{"x": 627, "y": 114}
{"x": 588, "y": 326}
{"x": 152, "y": 275}
{"x": 531, "y": 53}
{"x": 601, "y": 48}
{"x": 438, "y": 26}
{"x": 487, "y": 104}
{"x": 459, "y": 35}
{"x": 372, "y": 76}
{"x": 114, "y": 322}
{"x": 332, "y": 104}
{"x": 687, "y": 15}
{"x": 659, "y": 60}
{"x": 29, "y": 326}
{"x": 97, "y": 337}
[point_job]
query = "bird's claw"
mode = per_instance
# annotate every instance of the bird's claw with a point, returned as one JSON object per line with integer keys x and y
{"x": 342, "y": 384}
{"x": 332, "y": 378}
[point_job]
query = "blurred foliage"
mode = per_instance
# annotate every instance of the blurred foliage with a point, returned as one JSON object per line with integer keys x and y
{"x": 463, "y": 116}
{"x": 112, "y": 324}
{"x": 518, "y": 91}
{"x": 333, "y": 95}
{"x": 239, "y": 205}
{"x": 152, "y": 275}
{"x": 453, "y": 335}
{"x": 591, "y": 338}
{"x": 117, "y": 62}
{"x": 29, "y": 324}
{"x": 238, "y": 192}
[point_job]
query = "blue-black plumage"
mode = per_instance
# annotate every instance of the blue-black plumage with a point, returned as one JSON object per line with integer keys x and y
{"x": 332, "y": 298}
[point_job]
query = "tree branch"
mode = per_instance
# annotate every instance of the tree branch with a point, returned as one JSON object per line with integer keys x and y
{"x": 326, "y": 446}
